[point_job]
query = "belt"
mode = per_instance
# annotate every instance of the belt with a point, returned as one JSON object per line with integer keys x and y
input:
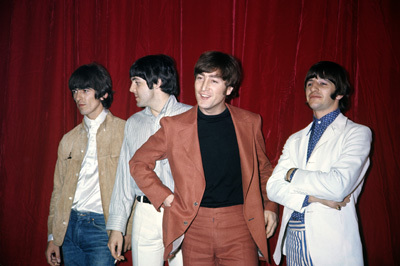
{"x": 143, "y": 199}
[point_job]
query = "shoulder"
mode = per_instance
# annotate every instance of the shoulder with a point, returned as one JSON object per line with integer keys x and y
{"x": 242, "y": 114}
{"x": 176, "y": 108}
{"x": 136, "y": 116}
{"x": 182, "y": 107}
{"x": 300, "y": 134}
{"x": 186, "y": 116}
{"x": 73, "y": 136}
{"x": 351, "y": 127}
{"x": 116, "y": 123}
{"x": 73, "y": 133}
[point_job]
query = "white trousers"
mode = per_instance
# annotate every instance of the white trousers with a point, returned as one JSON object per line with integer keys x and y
{"x": 147, "y": 242}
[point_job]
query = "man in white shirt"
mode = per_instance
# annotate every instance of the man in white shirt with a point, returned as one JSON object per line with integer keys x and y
{"x": 85, "y": 173}
{"x": 155, "y": 86}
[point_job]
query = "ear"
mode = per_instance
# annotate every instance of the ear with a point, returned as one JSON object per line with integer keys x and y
{"x": 158, "y": 85}
{"x": 338, "y": 97}
{"x": 229, "y": 91}
{"x": 104, "y": 97}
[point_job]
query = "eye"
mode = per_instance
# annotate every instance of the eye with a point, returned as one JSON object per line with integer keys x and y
{"x": 215, "y": 81}
{"x": 74, "y": 91}
{"x": 198, "y": 77}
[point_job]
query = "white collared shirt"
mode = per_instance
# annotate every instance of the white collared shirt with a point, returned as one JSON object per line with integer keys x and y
{"x": 87, "y": 195}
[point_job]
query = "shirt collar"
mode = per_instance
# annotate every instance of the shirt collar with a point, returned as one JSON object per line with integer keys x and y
{"x": 324, "y": 121}
{"x": 95, "y": 123}
{"x": 167, "y": 108}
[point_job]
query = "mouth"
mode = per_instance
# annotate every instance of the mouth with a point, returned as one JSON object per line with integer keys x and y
{"x": 314, "y": 96}
{"x": 204, "y": 96}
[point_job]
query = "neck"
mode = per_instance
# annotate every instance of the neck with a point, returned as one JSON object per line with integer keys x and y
{"x": 159, "y": 103}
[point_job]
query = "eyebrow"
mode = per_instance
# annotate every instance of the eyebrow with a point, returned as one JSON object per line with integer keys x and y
{"x": 211, "y": 76}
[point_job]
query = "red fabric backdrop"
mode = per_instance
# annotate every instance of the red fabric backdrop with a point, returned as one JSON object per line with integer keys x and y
{"x": 42, "y": 42}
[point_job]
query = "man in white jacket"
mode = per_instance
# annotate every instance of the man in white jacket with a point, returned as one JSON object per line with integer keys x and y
{"x": 319, "y": 177}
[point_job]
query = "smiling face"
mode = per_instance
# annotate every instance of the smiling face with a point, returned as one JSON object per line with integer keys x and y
{"x": 318, "y": 95}
{"x": 211, "y": 91}
{"x": 143, "y": 94}
{"x": 87, "y": 103}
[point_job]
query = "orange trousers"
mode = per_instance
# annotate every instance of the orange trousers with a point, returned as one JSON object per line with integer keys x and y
{"x": 219, "y": 236}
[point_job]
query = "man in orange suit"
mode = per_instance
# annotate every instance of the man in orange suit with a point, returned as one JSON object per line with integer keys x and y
{"x": 219, "y": 212}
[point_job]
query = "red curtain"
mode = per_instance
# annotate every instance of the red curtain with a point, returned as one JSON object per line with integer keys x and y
{"x": 42, "y": 42}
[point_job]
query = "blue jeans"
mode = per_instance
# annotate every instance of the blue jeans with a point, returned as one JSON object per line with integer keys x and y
{"x": 86, "y": 240}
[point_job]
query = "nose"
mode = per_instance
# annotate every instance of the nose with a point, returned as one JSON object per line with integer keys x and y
{"x": 204, "y": 84}
{"x": 314, "y": 86}
{"x": 78, "y": 95}
{"x": 132, "y": 88}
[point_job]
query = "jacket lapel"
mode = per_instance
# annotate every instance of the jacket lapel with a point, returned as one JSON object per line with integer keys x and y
{"x": 244, "y": 136}
{"x": 335, "y": 128}
{"x": 190, "y": 140}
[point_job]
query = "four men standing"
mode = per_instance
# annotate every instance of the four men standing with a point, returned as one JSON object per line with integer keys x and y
{"x": 200, "y": 177}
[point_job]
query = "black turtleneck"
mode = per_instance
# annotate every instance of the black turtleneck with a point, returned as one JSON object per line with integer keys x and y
{"x": 221, "y": 160}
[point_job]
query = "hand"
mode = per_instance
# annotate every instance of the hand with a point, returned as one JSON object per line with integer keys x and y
{"x": 168, "y": 201}
{"x": 53, "y": 254}
{"x": 115, "y": 242}
{"x": 271, "y": 222}
{"x": 127, "y": 242}
{"x": 330, "y": 203}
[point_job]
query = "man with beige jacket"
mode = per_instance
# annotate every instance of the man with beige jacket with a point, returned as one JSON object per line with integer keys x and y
{"x": 84, "y": 175}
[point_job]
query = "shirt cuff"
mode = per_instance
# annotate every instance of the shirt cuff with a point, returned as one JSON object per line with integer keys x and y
{"x": 305, "y": 202}
{"x": 116, "y": 223}
{"x": 292, "y": 174}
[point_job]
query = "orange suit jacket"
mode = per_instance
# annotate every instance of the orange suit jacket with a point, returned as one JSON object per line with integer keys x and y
{"x": 177, "y": 140}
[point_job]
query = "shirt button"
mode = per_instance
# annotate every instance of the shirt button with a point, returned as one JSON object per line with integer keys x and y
{"x": 64, "y": 223}
{"x": 70, "y": 198}
{"x": 195, "y": 203}
{"x": 185, "y": 223}
{"x": 82, "y": 151}
{"x": 76, "y": 174}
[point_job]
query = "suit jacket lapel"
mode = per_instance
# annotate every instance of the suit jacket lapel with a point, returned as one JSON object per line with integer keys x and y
{"x": 303, "y": 145}
{"x": 336, "y": 127}
{"x": 244, "y": 136}
{"x": 190, "y": 139}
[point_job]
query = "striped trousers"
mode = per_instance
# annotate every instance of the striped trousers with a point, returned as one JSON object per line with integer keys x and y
{"x": 296, "y": 245}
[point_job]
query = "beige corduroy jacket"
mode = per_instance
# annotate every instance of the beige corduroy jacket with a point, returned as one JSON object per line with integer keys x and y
{"x": 71, "y": 152}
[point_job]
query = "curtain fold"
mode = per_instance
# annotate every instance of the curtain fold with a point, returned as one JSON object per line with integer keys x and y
{"x": 43, "y": 42}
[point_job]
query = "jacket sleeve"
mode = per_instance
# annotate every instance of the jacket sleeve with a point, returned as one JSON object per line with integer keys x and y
{"x": 59, "y": 175}
{"x": 342, "y": 179}
{"x": 344, "y": 175}
{"x": 142, "y": 165}
{"x": 277, "y": 187}
{"x": 265, "y": 167}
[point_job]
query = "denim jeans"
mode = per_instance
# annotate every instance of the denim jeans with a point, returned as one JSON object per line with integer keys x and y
{"x": 86, "y": 240}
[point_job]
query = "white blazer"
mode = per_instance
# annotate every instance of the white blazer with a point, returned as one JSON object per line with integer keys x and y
{"x": 335, "y": 169}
